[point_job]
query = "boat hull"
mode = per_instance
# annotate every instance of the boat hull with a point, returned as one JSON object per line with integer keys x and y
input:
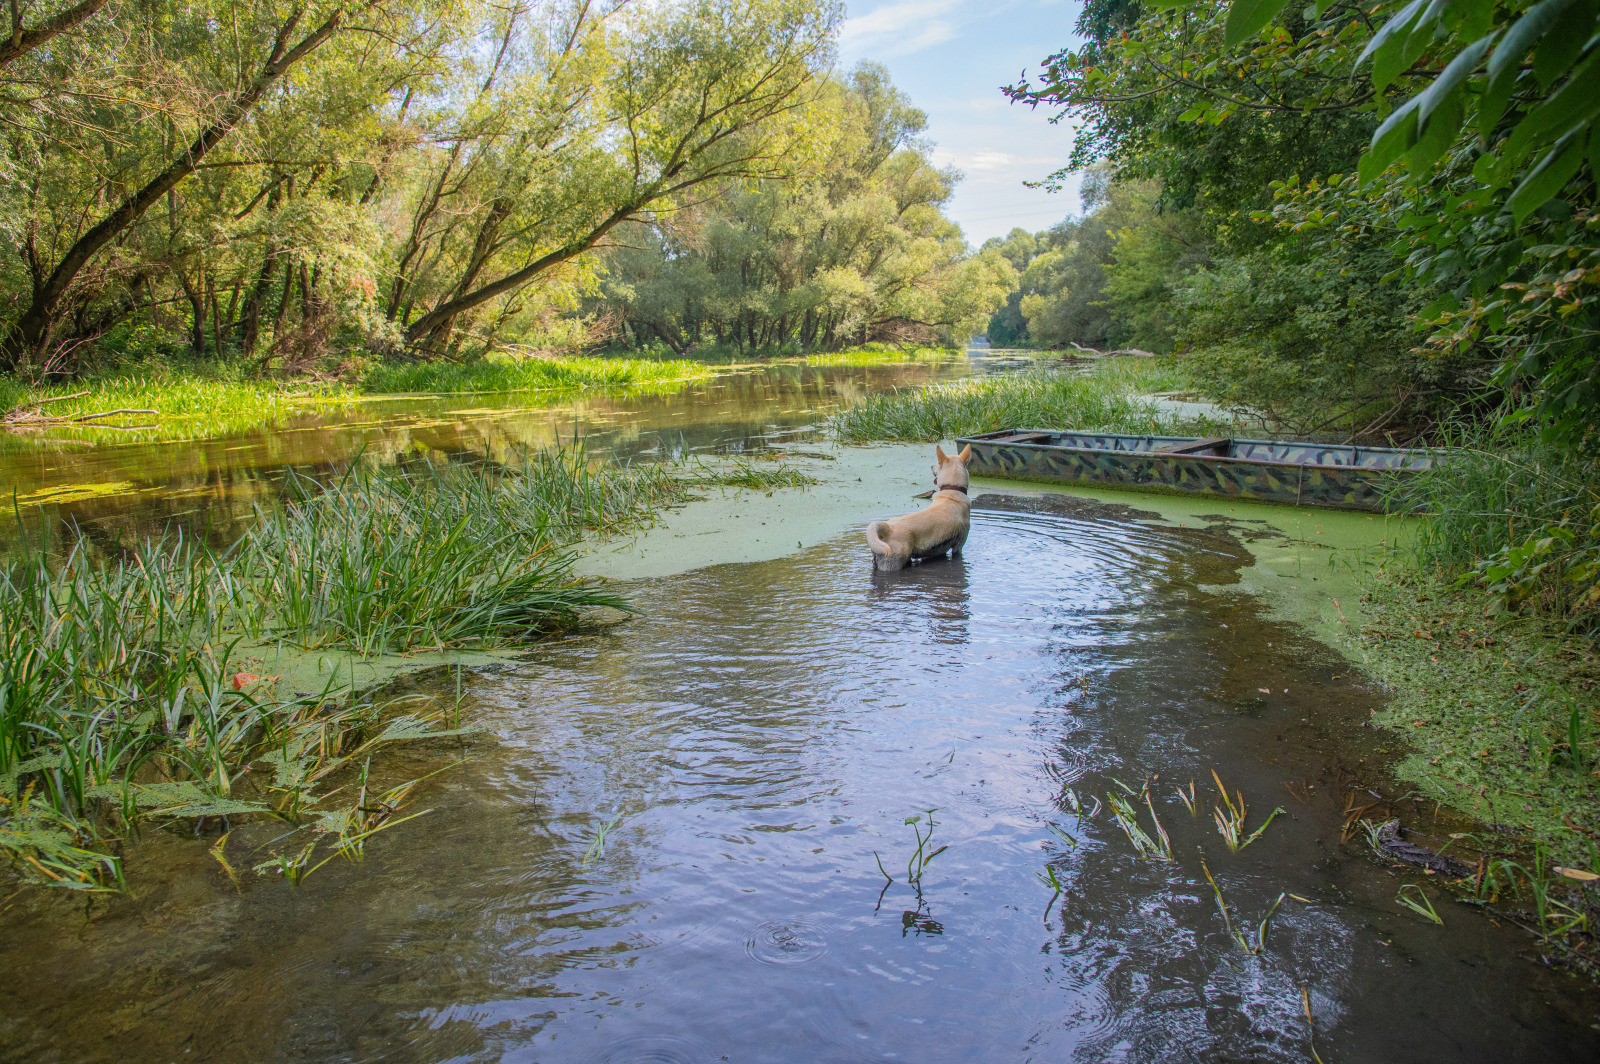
{"x": 1296, "y": 474}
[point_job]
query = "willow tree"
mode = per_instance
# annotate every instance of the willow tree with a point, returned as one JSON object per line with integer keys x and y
{"x": 585, "y": 119}
{"x": 858, "y": 249}
{"x": 115, "y": 115}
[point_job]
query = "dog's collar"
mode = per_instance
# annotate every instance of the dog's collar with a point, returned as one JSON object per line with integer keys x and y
{"x": 937, "y": 488}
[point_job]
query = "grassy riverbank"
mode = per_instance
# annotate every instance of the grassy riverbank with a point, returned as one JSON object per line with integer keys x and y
{"x": 529, "y": 374}
{"x": 132, "y": 688}
{"x": 1112, "y": 396}
{"x": 175, "y": 401}
{"x": 1483, "y": 630}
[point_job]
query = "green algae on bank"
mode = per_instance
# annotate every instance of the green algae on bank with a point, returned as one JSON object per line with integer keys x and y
{"x": 1498, "y": 717}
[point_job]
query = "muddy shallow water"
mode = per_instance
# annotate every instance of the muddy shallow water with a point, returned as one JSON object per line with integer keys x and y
{"x": 765, "y": 730}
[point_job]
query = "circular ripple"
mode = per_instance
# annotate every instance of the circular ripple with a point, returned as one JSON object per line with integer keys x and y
{"x": 652, "y": 1049}
{"x": 785, "y": 944}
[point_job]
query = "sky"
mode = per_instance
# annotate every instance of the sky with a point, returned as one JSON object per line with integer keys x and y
{"x": 951, "y": 57}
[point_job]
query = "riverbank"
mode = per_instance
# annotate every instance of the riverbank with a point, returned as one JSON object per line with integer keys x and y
{"x": 1112, "y": 395}
{"x": 169, "y": 402}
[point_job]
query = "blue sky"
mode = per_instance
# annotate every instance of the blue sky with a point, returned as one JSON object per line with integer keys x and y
{"x": 952, "y": 56}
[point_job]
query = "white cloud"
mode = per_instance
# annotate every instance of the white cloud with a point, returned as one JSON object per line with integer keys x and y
{"x": 899, "y": 29}
{"x": 990, "y": 160}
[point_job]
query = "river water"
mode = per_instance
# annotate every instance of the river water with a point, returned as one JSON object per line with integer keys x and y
{"x": 773, "y": 741}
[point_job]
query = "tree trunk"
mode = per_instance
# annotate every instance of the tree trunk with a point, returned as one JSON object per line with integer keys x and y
{"x": 32, "y": 331}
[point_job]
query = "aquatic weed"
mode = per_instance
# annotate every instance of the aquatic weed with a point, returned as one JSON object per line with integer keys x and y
{"x": 1157, "y": 847}
{"x": 1414, "y": 898}
{"x": 1260, "y": 945}
{"x": 1230, "y": 818}
{"x": 598, "y": 845}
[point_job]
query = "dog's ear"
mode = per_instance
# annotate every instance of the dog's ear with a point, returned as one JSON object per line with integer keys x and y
{"x": 966, "y": 455}
{"x": 939, "y": 454}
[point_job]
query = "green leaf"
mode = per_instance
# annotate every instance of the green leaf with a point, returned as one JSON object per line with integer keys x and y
{"x": 1549, "y": 177}
{"x": 1246, "y": 18}
{"x": 1564, "y": 43}
{"x": 1393, "y": 139}
{"x": 1495, "y": 99}
{"x": 1445, "y": 86}
{"x": 1396, "y": 56}
{"x": 1434, "y": 140}
{"x": 1468, "y": 20}
{"x": 1578, "y": 100}
{"x": 1394, "y": 31}
{"x": 1524, "y": 34}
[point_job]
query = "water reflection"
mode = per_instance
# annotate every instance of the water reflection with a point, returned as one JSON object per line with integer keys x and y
{"x": 766, "y": 731}
{"x": 212, "y": 485}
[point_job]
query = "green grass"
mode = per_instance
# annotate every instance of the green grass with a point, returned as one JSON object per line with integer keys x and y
{"x": 1516, "y": 516}
{"x": 126, "y": 692}
{"x": 528, "y": 374}
{"x": 181, "y": 407}
{"x": 744, "y": 473}
{"x": 1108, "y": 398}
{"x": 879, "y": 355}
{"x": 874, "y": 354}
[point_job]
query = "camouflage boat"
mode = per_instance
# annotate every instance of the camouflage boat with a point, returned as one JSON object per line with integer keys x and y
{"x": 1299, "y": 474}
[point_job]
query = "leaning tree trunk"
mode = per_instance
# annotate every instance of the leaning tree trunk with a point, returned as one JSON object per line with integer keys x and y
{"x": 31, "y": 333}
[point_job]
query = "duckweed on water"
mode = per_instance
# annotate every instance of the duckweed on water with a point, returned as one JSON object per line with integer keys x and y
{"x": 123, "y": 690}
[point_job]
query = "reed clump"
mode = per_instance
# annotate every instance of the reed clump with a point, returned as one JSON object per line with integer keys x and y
{"x": 124, "y": 690}
{"x": 1113, "y": 396}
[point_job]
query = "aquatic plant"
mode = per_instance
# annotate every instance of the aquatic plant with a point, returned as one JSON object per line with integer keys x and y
{"x": 127, "y": 692}
{"x": 386, "y": 560}
{"x": 744, "y": 473}
{"x": 1049, "y": 879}
{"x": 1188, "y": 799}
{"x": 924, "y": 854}
{"x": 1414, "y": 898}
{"x": 1156, "y": 847}
{"x": 1230, "y": 818}
{"x": 1239, "y": 935}
{"x": 1107, "y": 399}
{"x": 598, "y": 845}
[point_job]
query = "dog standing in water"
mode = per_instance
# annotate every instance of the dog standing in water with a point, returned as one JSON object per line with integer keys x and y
{"x": 932, "y": 533}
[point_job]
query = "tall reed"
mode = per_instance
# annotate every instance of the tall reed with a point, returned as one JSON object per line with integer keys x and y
{"x": 1110, "y": 398}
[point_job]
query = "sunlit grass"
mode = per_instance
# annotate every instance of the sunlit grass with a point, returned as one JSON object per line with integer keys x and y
{"x": 1111, "y": 397}
{"x": 879, "y": 355}
{"x": 506, "y": 374}
{"x": 146, "y": 408}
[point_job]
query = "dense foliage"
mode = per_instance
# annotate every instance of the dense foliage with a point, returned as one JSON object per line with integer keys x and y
{"x": 1399, "y": 182}
{"x": 858, "y": 251}
{"x": 285, "y": 180}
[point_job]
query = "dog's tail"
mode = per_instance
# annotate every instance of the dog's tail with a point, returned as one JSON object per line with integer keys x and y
{"x": 875, "y": 537}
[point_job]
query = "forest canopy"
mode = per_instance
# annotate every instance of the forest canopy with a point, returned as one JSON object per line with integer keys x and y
{"x": 1387, "y": 214}
{"x": 279, "y": 180}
